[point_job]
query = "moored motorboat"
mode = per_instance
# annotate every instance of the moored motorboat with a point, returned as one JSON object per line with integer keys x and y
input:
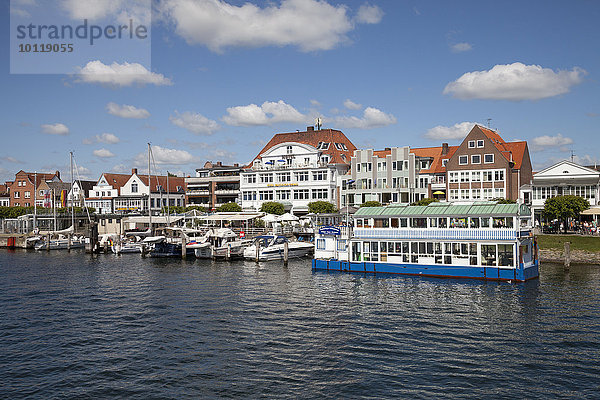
{"x": 272, "y": 247}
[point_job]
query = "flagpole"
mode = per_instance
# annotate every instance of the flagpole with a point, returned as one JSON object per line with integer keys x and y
{"x": 35, "y": 202}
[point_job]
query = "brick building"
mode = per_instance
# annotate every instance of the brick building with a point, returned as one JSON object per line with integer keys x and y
{"x": 22, "y": 190}
{"x": 215, "y": 184}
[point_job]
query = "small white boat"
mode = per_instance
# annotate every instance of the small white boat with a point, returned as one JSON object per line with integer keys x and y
{"x": 217, "y": 243}
{"x": 272, "y": 248}
{"x": 62, "y": 243}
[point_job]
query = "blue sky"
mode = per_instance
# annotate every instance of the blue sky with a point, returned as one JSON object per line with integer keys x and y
{"x": 227, "y": 75}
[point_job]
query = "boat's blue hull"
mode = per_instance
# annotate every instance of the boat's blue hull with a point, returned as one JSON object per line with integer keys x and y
{"x": 518, "y": 274}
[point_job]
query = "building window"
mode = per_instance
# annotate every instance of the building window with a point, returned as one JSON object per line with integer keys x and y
{"x": 479, "y": 144}
{"x": 265, "y": 195}
{"x": 471, "y": 144}
{"x": 27, "y": 195}
{"x": 289, "y": 149}
{"x": 283, "y": 194}
{"x": 319, "y": 194}
{"x": 17, "y": 195}
{"x": 357, "y": 167}
{"x": 464, "y": 176}
{"x": 487, "y": 176}
{"x": 134, "y": 187}
{"x": 499, "y": 175}
{"x": 320, "y": 176}
{"x": 301, "y": 194}
{"x": 444, "y": 162}
{"x": 320, "y": 244}
{"x": 488, "y": 158}
{"x": 284, "y": 177}
{"x": 476, "y": 159}
{"x": 476, "y": 176}
{"x": 463, "y": 160}
{"x": 325, "y": 159}
{"x": 266, "y": 178}
{"x": 301, "y": 176}
{"x": 453, "y": 178}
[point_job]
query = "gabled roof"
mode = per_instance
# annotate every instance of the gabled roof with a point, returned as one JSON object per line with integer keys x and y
{"x": 116, "y": 180}
{"x": 516, "y": 149}
{"x": 86, "y": 185}
{"x": 41, "y": 176}
{"x": 3, "y": 189}
{"x": 435, "y": 153}
{"x": 312, "y": 138}
{"x": 174, "y": 181}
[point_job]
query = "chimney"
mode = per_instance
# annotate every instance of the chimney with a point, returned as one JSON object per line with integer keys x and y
{"x": 219, "y": 163}
{"x": 236, "y": 165}
{"x": 57, "y": 173}
{"x": 133, "y": 171}
{"x": 310, "y": 129}
{"x": 444, "y": 149}
{"x": 388, "y": 148}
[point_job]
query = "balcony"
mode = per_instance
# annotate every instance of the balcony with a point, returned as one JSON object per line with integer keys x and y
{"x": 204, "y": 192}
{"x": 233, "y": 192}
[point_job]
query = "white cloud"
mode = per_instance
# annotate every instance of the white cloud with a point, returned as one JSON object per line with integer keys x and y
{"x": 315, "y": 103}
{"x": 55, "y": 129}
{"x": 11, "y": 160}
{"x": 103, "y": 153}
{"x": 368, "y": 14}
{"x": 514, "y": 82}
{"x": 108, "y": 138}
{"x": 308, "y": 24}
{"x": 461, "y": 47}
{"x": 268, "y": 113}
{"x": 349, "y": 104}
{"x": 164, "y": 156}
{"x": 194, "y": 122}
{"x": 125, "y": 74}
{"x": 372, "y": 118}
{"x": 456, "y": 131}
{"x": 123, "y": 10}
{"x": 126, "y": 111}
{"x": 541, "y": 143}
{"x": 121, "y": 169}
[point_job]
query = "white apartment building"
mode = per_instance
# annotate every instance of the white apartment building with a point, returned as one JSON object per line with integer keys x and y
{"x": 296, "y": 169}
{"x": 164, "y": 190}
{"x": 561, "y": 179}
{"x": 387, "y": 176}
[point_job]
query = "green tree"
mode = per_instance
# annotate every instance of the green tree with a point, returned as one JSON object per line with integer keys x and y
{"x": 198, "y": 208}
{"x": 372, "y": 203}
{"x": 272, "y": 207}
{"x": 424, "y": 202}
{"x": 565, "y": 207}
{"x": 230, "y": 207}
{"x": 321, "y": 207}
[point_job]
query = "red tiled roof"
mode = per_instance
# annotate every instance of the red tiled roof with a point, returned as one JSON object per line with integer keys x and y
{"x": 382, "y": 153}
{"x": 435, "y": 153}
{"x": 174, "y": 181}
{"x": 313, "y": 138}
{"x": 41, "y": 176}
{"x": 517, "y": 149}
{"x": 3, "y": 189}
{"x": 116, "y": 180}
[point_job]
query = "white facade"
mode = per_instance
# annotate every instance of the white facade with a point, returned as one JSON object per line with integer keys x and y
{"x": 561, "y": 179}
{"x": 134, "y": 195}
{"x": 291, "y": 173}
{"x": 4, "y": 201}
{"x": 101, "y": 196}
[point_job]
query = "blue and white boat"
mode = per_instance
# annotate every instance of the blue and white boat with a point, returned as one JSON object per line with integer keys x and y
{"x": 480, "y": 240}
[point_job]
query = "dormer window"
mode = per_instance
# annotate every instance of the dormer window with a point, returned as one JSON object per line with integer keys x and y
{"x": 289, "y": 149}
{"x": 323, "y": 146}
{"x": 179, "y": 189}
{"x": 471, "y": 144}
{"x": 444, "y": 162}
{"x": 159, "y": 188}
{"x": 479, "y": 143}
{"x": 134, "y": 187}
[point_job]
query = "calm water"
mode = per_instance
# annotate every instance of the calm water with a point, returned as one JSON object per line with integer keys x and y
{"x": 126, "y": 327}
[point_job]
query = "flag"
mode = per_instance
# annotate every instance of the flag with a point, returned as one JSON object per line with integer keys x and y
{"x": 47, "y": 202}
{"x": 63, "y": 198}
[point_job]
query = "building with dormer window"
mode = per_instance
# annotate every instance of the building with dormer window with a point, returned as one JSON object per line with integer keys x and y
{"x": 296, "y": 169}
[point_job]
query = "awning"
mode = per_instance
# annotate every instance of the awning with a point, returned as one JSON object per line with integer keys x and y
{"x": 437, "y": 193}
{"x": 591, "y": 211}
{"x": 231, "y": 217}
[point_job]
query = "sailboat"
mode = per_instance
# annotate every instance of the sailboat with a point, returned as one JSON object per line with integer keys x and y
{"x": 65, "y": 240}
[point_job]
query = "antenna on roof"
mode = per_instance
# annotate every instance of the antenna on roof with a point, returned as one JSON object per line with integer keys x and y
{"x": 318, "y": 123}
{"x": 572, "y": 156}
{"x": 488, "y": 121}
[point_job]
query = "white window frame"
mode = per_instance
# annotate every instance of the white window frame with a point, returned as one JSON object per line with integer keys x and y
{"x": 480, "y": 144}
{"x": 472, "y": 159}
{"x": 488, "y": 162}
{"x": 463, "y": 163}
{"x": 471, "y": 144}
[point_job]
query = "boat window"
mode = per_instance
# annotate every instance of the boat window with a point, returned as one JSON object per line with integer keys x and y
{"x": 405, "y": 248}
{"x": 458, "y": 222}
{"x": 356, "y": 251}
{"x": 366, "y": 247}
{"x": 488, "y": 254}
{"x": 398, "y": 248}
{"x": 281, "y": 240}
{"x": 382, "y": 223}
{"x": 422, "y": 248}
{"x": 505, "y": 255}
{"x": 341, "y": 245}
{"x": 403, "y": 222}
{"x": 485, "y": 222}
{"x": 359, "y": 223}
{"x": 320, "y": 244}
{"x": 429, "y": 247}
{"x": 456, "y": 249}
{"x": 442, "y": 222}
{"x": 418, "y": 222}
{"x": 474, "y": 222}
{"x": 383, "y": 247}
{"x": 499, "y": 222}
{"x": 374, "y": 247}
{"x": 433, "y": 222}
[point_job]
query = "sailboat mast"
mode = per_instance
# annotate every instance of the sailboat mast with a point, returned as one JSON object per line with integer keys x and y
{"x": 168, "y": 208}
{"x": 149, "y": 193}
{"x": 72, "y": 195}
{"x": 35, "y": 202}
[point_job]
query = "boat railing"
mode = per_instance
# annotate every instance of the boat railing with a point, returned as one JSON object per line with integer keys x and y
{"x": 437, "y": 233}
